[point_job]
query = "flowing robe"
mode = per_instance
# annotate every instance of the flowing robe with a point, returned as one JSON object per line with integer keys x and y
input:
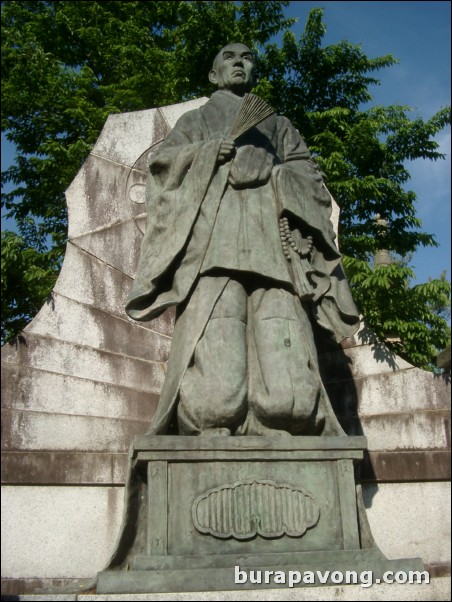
{"x": 208, "y": 222}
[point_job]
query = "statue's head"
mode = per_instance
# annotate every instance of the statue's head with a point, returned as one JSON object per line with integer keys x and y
{"x": 233, "y": 69}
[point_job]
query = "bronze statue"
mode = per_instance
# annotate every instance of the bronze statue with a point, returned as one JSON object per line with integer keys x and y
{"x": 239, "y": 239}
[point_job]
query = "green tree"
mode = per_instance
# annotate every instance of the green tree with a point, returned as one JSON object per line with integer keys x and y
{"x": 27, "y": 278}
{"x": 410, "y": 319}
{"x": 363, "y": 154}
{"x": 66, "y": 66}
{"x": 85, "y": 60}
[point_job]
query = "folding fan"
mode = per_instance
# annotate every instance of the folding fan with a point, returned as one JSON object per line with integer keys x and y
{"x": 252, "y": 111}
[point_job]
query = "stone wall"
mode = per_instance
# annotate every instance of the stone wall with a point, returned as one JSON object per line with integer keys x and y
{"x": 405, "y": 414}
{"x": 83, "y": 379}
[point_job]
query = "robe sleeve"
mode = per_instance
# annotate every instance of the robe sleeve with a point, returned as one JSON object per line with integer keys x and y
{"x": 303, "y": 197}
{"x": 180, "y": 173}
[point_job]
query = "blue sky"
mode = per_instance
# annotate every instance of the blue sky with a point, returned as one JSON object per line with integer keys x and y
{"x": 418, "y": 34}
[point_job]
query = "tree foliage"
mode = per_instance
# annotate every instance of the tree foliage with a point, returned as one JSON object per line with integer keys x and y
{"x": 86, "y": 60}
{"x": 364, "y": 155}
{"x": 27, "y": 278}
{"x": 66, "y": 66}
{"x": 410, "y": 318}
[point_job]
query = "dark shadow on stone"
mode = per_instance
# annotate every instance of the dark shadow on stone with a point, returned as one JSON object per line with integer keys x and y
{"x": 335, "y": 371}
{"x": 366, "y": 470}
{"x": 337, "y": 377}
{"x": 18, "y": 340}
{"x": 369, "y": 493}
{"x": 444, "y": 376}
{"x": 51, "y": 301}
{"x": 132, "y": 538}
{"x": 382, "y": 353}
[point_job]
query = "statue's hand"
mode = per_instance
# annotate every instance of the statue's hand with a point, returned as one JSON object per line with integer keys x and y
{"x": 227, "y": 150}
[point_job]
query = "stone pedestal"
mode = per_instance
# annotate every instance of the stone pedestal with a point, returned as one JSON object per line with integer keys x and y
{"x": 200, "y": 507}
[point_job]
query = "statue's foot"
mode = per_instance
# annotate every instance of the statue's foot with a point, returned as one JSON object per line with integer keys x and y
{"x": 265, "y": 431}
{"x": 252, "y": 426}
{"x": 215, "y": 432}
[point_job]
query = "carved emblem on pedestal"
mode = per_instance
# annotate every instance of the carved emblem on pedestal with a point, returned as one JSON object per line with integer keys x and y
{"x": 248, "y": 508}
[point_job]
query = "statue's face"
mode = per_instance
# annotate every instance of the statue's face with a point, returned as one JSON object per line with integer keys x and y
{"x": 233, "y": 69}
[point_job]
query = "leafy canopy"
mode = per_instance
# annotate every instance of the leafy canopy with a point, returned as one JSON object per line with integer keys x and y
{"x": 67, "y": 65}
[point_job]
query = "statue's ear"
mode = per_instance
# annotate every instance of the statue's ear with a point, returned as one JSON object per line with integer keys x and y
{"x": 213, "y": 77}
